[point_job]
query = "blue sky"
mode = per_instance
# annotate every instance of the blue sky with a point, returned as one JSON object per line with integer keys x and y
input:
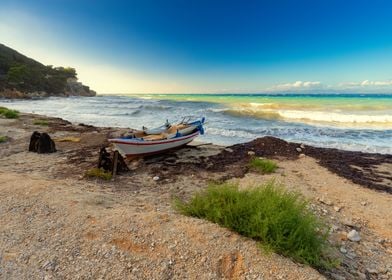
{"x": 209, "y": 46}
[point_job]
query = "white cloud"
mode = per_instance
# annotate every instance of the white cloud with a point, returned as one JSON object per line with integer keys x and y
{"x": 366, "y": 84}
{"x": 298, "y": 85}
{"x": 376, "y": 83}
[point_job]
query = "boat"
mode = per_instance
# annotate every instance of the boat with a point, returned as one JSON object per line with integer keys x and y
{"x": 142, "y": 143}
{"x": 157, "y": 130}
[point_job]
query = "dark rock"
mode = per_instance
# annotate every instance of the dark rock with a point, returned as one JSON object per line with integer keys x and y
{"x": 41, "y": 143}
{"x": 33, "y": 140}
{"x": 45, "y": 144}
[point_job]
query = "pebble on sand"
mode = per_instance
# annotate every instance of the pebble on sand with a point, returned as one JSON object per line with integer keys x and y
{"x": 354, "y": 236}
{"x": 343, "y": 250}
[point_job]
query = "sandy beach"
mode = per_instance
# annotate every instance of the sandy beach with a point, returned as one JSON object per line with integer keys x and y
{"x": 57, "y": 224}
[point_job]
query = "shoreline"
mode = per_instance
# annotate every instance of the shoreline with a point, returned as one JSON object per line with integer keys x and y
{"x": 133, "y": 111}
{"x": 72, "y": 213}
{"x": 363, "y": 168}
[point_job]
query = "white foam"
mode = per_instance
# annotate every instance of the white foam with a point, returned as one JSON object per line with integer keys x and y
{"x": 227, "y": 125}
{"x": 335, "y": 117}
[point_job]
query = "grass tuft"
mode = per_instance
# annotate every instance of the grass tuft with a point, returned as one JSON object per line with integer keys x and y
{"x": 9, "y": 114}
{"x": 3, "y": 139}
{"x": 279, "y": 219}
{"x": 41, "y": 122}
{"x": 262, "y": 165}
{"x": 99, "y": 173}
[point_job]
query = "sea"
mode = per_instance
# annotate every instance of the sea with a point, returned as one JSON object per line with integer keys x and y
{"x": 358, "y": 122}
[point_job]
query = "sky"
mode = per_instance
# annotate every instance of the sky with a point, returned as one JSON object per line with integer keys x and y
{"x": 179, "y": 46}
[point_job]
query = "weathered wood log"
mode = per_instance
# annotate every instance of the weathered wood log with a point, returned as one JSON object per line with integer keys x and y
{"x": 121, "y": 165}
{"x": 115, "y": 163}
{"x": 104, "y": 161}
{"x": 109, "y": 163}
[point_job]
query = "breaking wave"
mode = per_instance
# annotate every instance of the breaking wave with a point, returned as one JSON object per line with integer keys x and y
{"x": 310, "y": 114}
{"x": 352, "y": 123}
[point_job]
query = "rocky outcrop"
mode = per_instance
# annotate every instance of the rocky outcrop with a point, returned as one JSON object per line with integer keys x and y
{"x": 75, "y": 88}
{"x": 72, "y": 88}
{"x": 12, "y": 94}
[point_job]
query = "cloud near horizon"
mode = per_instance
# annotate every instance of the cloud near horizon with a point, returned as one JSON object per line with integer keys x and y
{"x": 367, "y": 86}
{"x": 367, "y": 83}
{"x": 298, "y": 85}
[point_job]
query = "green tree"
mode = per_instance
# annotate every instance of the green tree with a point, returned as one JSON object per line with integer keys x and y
{"x": 17, "y": 74}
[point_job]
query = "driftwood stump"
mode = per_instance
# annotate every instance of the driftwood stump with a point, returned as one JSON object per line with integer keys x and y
{"x": 104, "y": 161}
{"x": 114, "y": 163}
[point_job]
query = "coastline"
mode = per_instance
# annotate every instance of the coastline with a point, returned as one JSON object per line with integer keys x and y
{"x": 134, "y": 211}
{"x": 227, "y": 125}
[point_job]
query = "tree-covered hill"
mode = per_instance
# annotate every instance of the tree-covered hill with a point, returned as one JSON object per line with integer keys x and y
{"x": 21, "y": 73}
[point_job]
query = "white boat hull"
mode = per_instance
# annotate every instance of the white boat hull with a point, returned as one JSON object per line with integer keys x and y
{"x": 132, "y": 147}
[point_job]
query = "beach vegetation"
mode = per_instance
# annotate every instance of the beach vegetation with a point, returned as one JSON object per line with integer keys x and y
{"x": 98, "y": 173}
{"x": 262, "y": 165}
{"x": 8, "y": 113}
{"x": 278, "y": 219}
{"x": 41, "y": 122}
{"x": 3, "y": 139}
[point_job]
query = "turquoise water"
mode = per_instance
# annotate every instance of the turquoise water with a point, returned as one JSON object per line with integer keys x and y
{"x": 346, "y": 121}
{"x": 343, "y": 110}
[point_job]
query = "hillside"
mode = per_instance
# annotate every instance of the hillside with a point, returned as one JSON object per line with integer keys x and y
{"x": 23, "y": 77}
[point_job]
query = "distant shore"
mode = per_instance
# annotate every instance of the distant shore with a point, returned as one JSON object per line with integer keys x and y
{"x": 22, "y": 77}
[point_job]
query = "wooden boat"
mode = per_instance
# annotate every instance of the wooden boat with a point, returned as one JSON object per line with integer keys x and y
{"x": 157, "y": 130}
{"x": 140, "y": 143}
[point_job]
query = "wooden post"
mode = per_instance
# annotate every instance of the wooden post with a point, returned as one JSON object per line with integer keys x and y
{"x": 115, "y": 163}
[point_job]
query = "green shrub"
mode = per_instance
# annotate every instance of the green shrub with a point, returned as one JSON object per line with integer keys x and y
{"x": 9, "y": 114}
{"x": 99, "y": 173}
{"x": 3, "y": 110}
{"x": 263, "y": 165}
{"x": 41, "y": 122}
{"x": 3, "y": 139}
{"x": 279, "y": 219}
